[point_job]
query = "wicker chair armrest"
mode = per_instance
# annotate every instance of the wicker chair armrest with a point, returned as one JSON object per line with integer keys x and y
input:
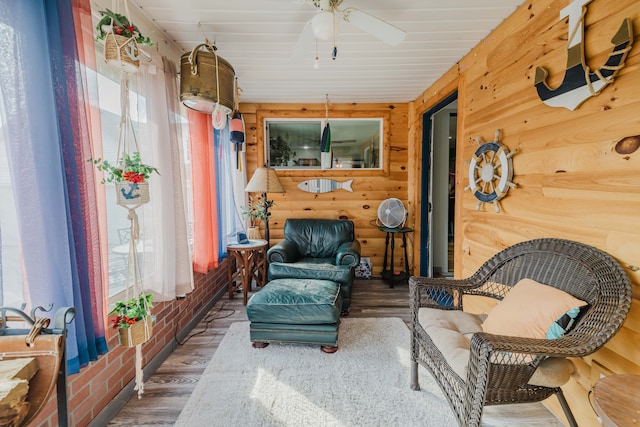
{"x": 506, "y": 361}
{"x": 441, "y": 282}
{"x": 567, "y": 346}
{"x": 426, "y": 292}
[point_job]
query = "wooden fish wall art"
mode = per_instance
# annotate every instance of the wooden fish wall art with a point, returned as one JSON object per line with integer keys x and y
{"x": 579, "y": 82}
{"x": 322, "y": 185}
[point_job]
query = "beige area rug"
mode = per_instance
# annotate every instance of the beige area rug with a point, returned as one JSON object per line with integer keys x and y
{"x": 365, "y": 383}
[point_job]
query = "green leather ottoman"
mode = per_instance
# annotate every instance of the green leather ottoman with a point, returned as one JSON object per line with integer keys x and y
{"x": 304, "y": 311}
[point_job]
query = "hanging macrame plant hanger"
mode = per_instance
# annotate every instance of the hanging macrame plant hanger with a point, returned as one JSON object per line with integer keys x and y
{"x": 132, "y": 195}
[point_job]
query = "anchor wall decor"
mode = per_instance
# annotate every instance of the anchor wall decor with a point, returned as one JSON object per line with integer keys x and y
{"x": 580, "y": 83}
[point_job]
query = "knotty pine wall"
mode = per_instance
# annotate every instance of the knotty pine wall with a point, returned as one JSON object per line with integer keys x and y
{"x": 576, "y": 180}
{"x": 369, "y": 187}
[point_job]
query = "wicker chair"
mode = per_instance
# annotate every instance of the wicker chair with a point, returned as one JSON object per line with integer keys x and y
{"x": 499, "y": 367}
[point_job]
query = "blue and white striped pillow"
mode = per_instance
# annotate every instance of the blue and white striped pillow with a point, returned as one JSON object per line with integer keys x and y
{"x": 565, "y": 323}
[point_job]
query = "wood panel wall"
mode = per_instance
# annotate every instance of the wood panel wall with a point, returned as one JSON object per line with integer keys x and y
{"x": 576, "y": 180}
{"x": 369, "y": 187}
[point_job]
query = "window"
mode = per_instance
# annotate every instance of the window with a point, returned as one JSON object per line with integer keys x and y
{"x": 295, "y": 143}
{"x": 148, "y": 115}
{"x": 117, "y": 222}
{"x": 11, "y": 277}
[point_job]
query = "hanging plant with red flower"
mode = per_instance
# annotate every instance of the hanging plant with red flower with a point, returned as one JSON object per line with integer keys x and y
{"x": 120, "y": 25}
{"x": 131, "y": 311}
{"x": 128, "y": 169}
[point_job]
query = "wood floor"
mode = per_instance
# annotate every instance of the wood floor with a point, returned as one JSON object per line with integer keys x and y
{"x": 168, "y": 390}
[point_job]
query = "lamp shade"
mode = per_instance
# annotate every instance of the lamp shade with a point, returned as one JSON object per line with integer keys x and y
{"x": 264, "y": 180}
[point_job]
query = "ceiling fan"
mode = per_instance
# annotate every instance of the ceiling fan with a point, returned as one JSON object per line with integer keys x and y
{"x": 323, "y": 26}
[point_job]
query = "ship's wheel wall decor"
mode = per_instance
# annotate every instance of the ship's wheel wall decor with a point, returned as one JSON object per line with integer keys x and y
{"x": 491, "y": 172}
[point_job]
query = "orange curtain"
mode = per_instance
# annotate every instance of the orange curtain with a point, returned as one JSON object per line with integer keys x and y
{"x": 203, "y": 184}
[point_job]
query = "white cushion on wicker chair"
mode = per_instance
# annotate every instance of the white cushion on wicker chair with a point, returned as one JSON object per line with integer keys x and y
{"x": 451, "y": 332}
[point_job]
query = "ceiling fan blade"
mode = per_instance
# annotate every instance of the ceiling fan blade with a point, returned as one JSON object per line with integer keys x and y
{"x": 384, "y": 31}
{"x": 304, "y": 43}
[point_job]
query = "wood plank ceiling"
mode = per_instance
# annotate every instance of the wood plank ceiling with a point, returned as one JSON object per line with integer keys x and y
{"x": 258, "y": 37}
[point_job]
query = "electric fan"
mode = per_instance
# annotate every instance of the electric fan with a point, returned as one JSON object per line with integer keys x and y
{"x": 391, "y": 213}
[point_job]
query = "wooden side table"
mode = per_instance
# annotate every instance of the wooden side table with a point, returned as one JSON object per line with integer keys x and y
{"x": 390, "y": 274}
{"x": 616, "y": 399}
{"x": 246, "y": 262}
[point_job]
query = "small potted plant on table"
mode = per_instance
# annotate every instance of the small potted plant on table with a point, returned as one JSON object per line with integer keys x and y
{"x": 256, "y": 211}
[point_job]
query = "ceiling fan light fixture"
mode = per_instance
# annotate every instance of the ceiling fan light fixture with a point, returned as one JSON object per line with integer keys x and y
{"x": 322, "y": 25}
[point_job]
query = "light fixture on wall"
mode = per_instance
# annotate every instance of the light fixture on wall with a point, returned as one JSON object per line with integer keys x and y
{"x": 265, "y": 180}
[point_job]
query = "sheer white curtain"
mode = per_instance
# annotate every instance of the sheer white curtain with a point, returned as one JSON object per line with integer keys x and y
{"x": 11, "y": 274}
{"x": 167, "y": 264}
{"x": 227, "y": 173}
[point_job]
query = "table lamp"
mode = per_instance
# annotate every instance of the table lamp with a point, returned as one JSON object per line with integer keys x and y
{"x": 265, "y": 180}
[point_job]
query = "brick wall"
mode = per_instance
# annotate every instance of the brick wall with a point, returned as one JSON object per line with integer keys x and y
{"x": 96, "y": 385}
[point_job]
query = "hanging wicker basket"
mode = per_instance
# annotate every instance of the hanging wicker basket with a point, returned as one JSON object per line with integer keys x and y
{"x": 139, "y": 333}
{"x": 130, "y": 194}
{"x": 122, "y": 52}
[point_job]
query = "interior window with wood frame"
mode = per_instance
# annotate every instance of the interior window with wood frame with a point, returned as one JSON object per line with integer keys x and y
{"x": 297, "y": 143}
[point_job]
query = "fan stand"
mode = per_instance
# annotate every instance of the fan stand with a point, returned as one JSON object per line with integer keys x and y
{"x": 389, "y": 274}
